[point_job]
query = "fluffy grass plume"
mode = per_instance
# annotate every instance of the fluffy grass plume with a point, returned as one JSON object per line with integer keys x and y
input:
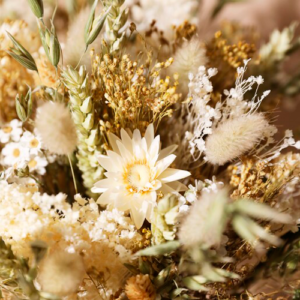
{"x": 56, "y": 128}
{"x": 188, "y": 58}
{"x": 234, "y": 137}
{"x": 61, "y": 273}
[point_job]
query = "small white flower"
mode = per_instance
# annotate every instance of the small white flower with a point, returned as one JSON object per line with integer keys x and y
{"x": 32, "y": 142}
{"x": 11, "y": 131}
{"x": 15, "y": 155}
{"x": 38, "y": 163}
{"x": 136, "y": 171}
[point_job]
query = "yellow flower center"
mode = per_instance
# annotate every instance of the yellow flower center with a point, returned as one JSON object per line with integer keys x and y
{"x": 137, "y": 177}
{"x": 16, "y": 152}
{"x": 32, "y": 164}
{"x": 34, "y": 143}
{"x": 7, "y": 129}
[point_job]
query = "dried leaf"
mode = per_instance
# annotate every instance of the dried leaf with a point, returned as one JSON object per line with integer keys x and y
{"x": 161, "y": 249}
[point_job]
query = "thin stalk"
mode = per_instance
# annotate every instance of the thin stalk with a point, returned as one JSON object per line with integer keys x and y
{"x": 73, "y": 174}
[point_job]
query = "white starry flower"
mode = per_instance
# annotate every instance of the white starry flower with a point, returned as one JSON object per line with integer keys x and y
{"x": 14, "y": 154}
{"x": 11, "y": 131}
{"x": 32, "y": 142}
{"x": 136, "y": 171}
{"x": 38, "y": 163}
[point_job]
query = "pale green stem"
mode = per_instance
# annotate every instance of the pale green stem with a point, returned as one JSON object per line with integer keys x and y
{"x": 73, "y": 174}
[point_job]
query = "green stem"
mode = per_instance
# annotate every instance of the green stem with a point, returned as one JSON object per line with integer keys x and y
{"x": 73, "y": 174}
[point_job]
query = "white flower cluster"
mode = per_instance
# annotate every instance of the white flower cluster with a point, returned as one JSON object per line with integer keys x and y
{"x": 208, "y": 186}
{"x": 199, "y": 116}
{"x": 26, "y": 215}
{"x": 279, "y": 43}
{"x": 207, "y": 129}
{"x": 22, "y": 148}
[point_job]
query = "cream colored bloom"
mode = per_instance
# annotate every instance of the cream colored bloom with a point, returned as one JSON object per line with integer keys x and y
{"x": 234, "y": 137}
{"x": 61, "y": 273}
{"x": 136, "y": 171}
{"x": 56, "y": 128}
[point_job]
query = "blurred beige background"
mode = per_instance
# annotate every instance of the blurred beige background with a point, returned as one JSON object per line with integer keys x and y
{"x": 265, "y": 15}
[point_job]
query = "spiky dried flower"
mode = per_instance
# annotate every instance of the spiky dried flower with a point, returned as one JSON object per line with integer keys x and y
{"x": 137, "y": 170}
{"x": 56, "y": 128}
{"x": 188, "y": 58}
{"x": 61, "y": 273}
{"x": 235, "y": 137}
{"x": 140, "y": 287}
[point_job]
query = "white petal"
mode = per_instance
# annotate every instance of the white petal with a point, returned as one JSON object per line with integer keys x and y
{"x": 173, "y": 174}
{"x": 129, "y": 132}
{"x": 154, "y": 148}
{"x": 106, "y": 163}
{"x": 165, "y": 152}
{"x": 113, "y": 141}
{"x": 102, "y": 185}
{"x": 138, "y": 151}
{"x": 177, "y": 186}
{"x": 105, "y": 198}
{"x": 151, "y": 206}
{"x": 136, "y": 139}
{"x": 164, "y": 163}
{"x": 138, "y": 217}
{"x": 126, "y": 140}
{"x": 116, "y": 159}
{"x": 149, "y": 135}
{"x": 122, "y": 202}
{"x": 126, "y": 155}
{"x": 166, "y": 189}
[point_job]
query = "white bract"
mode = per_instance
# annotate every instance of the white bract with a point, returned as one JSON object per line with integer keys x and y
{"x": 136, "y": 171}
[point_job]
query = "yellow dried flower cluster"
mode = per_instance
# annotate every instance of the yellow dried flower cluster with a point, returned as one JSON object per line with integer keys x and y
{"x": 260, "y": 180}
{"x": 185, "y": 31}
{"x": 14, "y": 78}
{"x": 227, "y": 57}
{"x": 135, "y": 94}
{"x": 47, "y": 74}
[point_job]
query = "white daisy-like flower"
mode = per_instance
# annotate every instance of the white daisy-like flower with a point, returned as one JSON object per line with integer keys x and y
{"x": 11, "y": 131}
{"x": 32, "y": 142}
{"x": 136, "y": 171}
{"x": 15, "y": 155}
{"x": 38, "y": 163}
